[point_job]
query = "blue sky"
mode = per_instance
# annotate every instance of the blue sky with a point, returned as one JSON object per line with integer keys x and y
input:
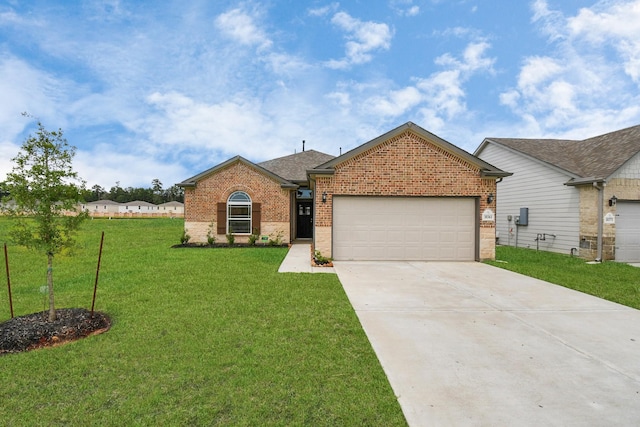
{"x": 148, "y": 89}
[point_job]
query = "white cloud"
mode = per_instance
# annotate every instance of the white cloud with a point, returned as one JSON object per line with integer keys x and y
{"x": 240, "y": 26}
{"x": 184, "y": 122}
{"x": 617, "y": 26}
{"x": 550, "y": 21}
{"x": 363, "y": 38}
{"x": 8, "y": 150}
{"x": 588, "y": 74}
{"x": 405, "y": 7}
{"x": 395, "y": 103}
{"x": 444, "y": 90}
{"x": 30, "y": 90}
{"x": 113, "y": 164}
{"x": 324, "y": 11}
{"x": 537, "y": 71}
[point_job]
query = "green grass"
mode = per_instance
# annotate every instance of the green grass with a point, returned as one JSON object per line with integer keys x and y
{"x": 199, "y": 337}
{"x": 613, "y": 281}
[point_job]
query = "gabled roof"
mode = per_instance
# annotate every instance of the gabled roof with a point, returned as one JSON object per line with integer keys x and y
{"x": 591, "y": 159}
{"x": 137, "y": 203}
{"x": 102, "y": 202}
{"x": 486, "y": 168}
{"x": 172, "y": 203}
{"x": 191, "y": 182}
{"x": 294, "y": 166}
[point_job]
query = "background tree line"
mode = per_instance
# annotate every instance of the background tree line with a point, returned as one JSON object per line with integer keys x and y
{"x": 154, "y": 194}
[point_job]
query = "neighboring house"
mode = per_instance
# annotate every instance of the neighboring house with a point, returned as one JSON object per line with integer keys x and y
{"x": 138, "y": 207}
{"x": 110, "y": 208}
{"x": 406, "y": 195}
{"x": 582, "y": 197}
{"x": 171, "y": 208}
{"x": 101, "y": 207}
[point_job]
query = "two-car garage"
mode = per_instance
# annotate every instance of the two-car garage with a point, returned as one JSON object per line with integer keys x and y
{"x": 404, "y": 228}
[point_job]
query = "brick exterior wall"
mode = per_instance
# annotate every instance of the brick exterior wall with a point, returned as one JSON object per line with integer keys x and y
{"x": 623, "y": 189}
{"x": 406, "y": 165}
{"x": 201, "y": 201}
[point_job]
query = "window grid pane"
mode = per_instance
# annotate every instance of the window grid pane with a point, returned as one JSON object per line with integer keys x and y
{"x": 239, "y": 226}
{"x": 236, "y": 211}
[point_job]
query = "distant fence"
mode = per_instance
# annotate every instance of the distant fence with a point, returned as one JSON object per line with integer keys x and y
{"x": 136, "y": 214}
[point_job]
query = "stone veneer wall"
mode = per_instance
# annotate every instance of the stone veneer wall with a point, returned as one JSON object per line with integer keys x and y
{"x": 406, "y": 165}
{"x": 623, "y": 189}
{"x": 201, "y": 202}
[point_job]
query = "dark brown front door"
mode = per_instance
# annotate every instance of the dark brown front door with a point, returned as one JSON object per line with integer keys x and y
{"x": 304, "y": 220}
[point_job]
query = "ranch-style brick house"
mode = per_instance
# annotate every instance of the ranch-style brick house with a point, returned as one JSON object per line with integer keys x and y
{"x": 405, "y": 195}
{"x": 579, "y": 196}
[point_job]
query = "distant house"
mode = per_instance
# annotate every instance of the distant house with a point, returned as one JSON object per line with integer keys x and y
{"x": 171, "y": 208}
{"x": 110, "y": 208}
{"x": 405, "y": 195}
{"x": 576, "y": 196}
{"x": 101, "y": 207}
{"x": 137, "y": 207}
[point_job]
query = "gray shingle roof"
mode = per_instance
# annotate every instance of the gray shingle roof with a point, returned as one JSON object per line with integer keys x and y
{"x": 597, "y": 157}
{"x": 294, "y": 166}
{"x": 191, "y": 182}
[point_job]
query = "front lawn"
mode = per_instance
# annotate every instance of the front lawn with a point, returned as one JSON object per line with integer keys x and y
{"x": 612, "y": 281}
{"x": 199, "y": 337}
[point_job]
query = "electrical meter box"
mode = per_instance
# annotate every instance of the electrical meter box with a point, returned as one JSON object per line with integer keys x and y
{"x": 523, "y": 219}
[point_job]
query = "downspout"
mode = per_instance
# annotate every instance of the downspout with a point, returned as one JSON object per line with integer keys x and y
{"x": 600, "y": 187}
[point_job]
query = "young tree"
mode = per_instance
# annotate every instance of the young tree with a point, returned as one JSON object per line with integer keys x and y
{"x": 46, "y": 193}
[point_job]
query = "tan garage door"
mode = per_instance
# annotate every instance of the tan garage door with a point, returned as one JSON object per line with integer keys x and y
{"x": 628, "y": 232}
{"x": 404, "y": 228}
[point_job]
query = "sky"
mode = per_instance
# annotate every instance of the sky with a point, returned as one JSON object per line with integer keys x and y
{"x": 165, "y": 90}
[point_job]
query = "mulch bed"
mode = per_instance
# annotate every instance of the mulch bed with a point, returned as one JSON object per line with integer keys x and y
{"x": 226, "y": 245}
{"x": 34, "y": 331}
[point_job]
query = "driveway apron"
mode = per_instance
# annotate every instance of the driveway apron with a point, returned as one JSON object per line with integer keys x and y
{"x": 471, "y": 344}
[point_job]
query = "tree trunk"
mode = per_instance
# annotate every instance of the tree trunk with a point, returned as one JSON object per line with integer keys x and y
{"x": 52, "y": 307}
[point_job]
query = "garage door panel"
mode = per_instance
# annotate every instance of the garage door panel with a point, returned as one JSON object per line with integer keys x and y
{"x": 628, "y": 232}
{"x": 400, "y": 228}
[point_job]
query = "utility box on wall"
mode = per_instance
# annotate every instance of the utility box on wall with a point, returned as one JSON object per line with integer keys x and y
{"x": 523, "y": 219}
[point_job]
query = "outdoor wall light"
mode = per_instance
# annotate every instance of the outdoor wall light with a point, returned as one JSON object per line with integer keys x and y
{"x": 324, "y": 197}
{"x": 490, "y": 198}
{"x": 613, "y": 200}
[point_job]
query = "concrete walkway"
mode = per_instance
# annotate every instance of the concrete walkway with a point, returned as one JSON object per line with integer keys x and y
{"x": 298, "y": 260}
{"x": 467, "y": 344}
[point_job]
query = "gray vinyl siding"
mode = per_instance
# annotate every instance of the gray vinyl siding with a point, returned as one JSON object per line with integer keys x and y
{"x": 554, "y": 208}
{"x": 630, "y": 170}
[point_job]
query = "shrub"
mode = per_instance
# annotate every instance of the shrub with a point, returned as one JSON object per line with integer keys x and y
{"x": 184, "y": 239}
{"x": 276, "y": 238}
{"x": 211, "y": 238}
{"x": 253, "y": 237}
{"x": 320, "y": 259}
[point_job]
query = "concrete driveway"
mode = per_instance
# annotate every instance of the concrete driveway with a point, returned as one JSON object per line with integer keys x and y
{"x": 467, "y": 344}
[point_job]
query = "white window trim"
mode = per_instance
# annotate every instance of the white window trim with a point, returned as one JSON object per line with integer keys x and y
{"x": 231, "y": 203}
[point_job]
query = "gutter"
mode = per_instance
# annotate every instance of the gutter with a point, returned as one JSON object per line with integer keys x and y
{"x": 600, "y": 186}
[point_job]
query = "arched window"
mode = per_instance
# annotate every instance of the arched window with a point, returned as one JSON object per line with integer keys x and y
{"x": 239, "y": 213}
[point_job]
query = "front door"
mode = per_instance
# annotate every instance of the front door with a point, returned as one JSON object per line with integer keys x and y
{"x": 304, "y": 219}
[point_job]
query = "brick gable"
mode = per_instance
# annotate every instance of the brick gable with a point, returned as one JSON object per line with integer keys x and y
{"x": 201, "y": 200}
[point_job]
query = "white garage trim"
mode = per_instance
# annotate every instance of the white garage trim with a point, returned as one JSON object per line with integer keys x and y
{"x": 405, "y": 228}
{"x": 627, "y": 231}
